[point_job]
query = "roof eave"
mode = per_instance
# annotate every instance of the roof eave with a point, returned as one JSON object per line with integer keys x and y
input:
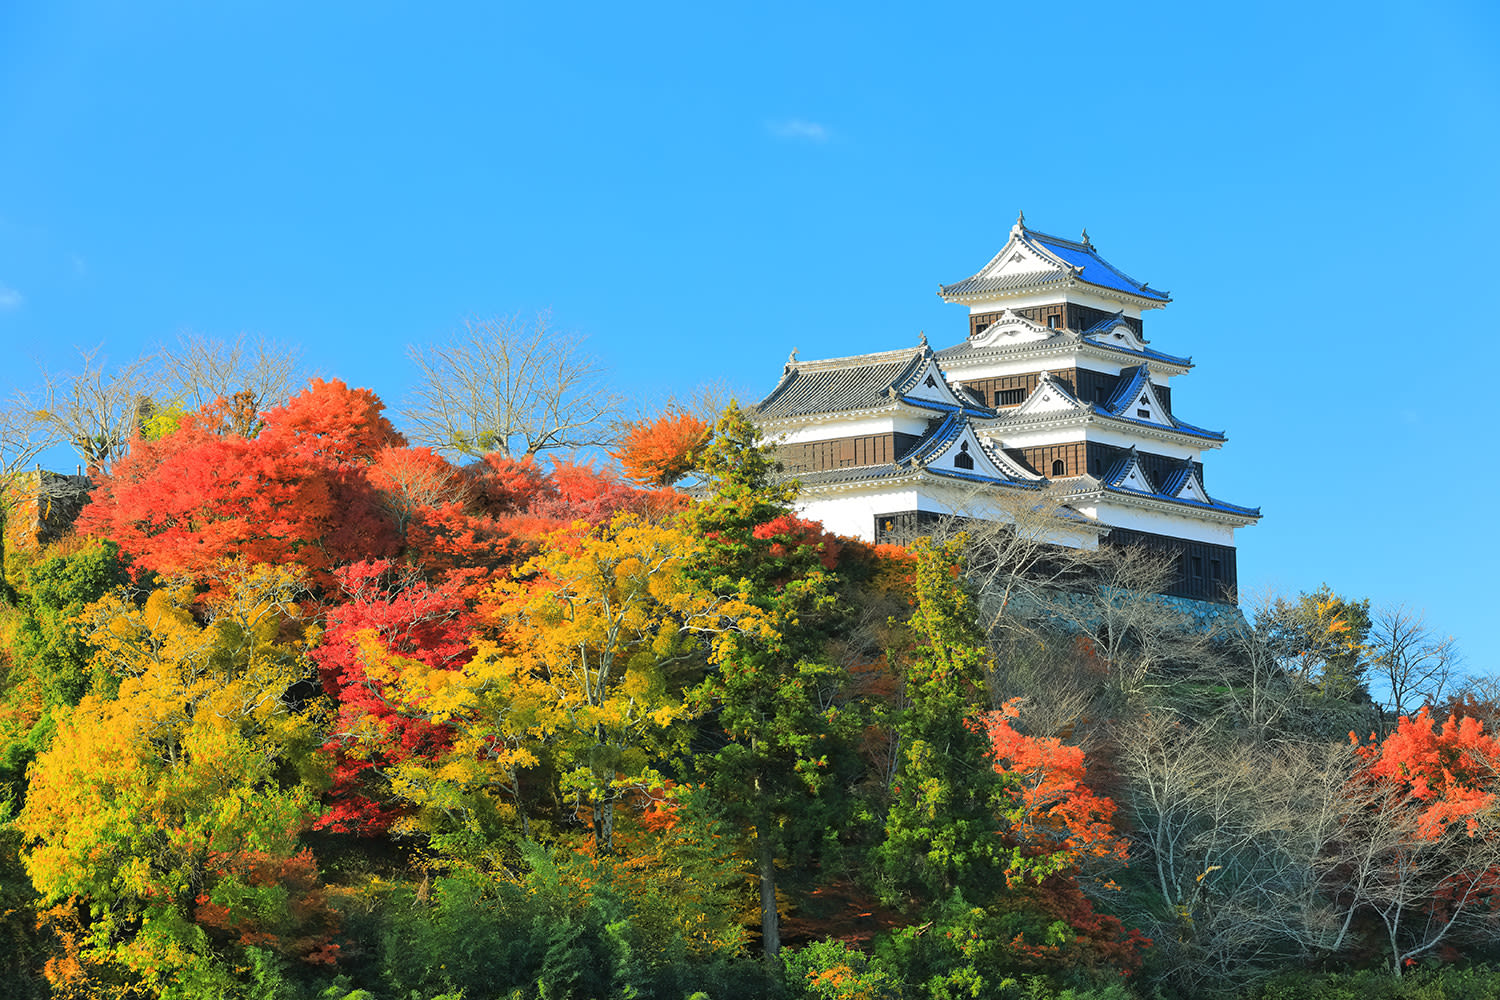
{"x": 1166, "y": 505}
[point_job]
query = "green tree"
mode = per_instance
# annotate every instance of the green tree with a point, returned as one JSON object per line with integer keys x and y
{"x": 1321, "y": 638}
{"x": 942, "y": 830}
{"x": 945, "y": 860}
{"x": 777, "y": 698}
{"x": 52, "y": 658}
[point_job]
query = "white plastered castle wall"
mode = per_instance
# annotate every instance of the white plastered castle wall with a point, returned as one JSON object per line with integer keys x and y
{"x": 824, "y": 430}
{"x": 854, "y": 511}
{"x": 1119, "y": 515}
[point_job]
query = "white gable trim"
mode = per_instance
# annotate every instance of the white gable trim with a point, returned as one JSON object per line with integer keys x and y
{"x": 1192, "y": 489}
{"x": 931, "y": 385}
{"x": 1119, "y": 334}
{"x": 1146, "y": 405}
{"x": 1012, "y": 329}
{"x": 1049, "y": 397}
{"x": 966, "y": 455}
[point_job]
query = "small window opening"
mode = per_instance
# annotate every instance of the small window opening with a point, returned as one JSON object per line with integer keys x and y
{"x": 1059, "y": 467}
{"x": 1094, "y": 465}
{"x": 963, "y": 460}
{"x": 1143, "y": 413}
{"x": 1053, "y": 322}
{"x": 1213, "y": 570}
{"x": 1197, "y": 567}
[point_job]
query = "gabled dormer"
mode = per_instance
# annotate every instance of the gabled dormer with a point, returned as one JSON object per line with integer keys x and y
{"x": 1186, "y": 483}
{"x": 1051, "y": 396}
{"x": 924, "y": 384}
{"x": 954, "y": 449}
{"x": 1116, "y": 331}
{"x": 1136, "y": 398}
{"x": 1130, "y": 474}
{"x": 1010, "y": 328}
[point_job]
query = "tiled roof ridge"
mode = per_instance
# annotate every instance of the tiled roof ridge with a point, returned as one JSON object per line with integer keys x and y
{"x": 1060, "y": 339}
{"x": 1053, "y": 249}
{"x": 1178, "y": 478}
{"x": 1092, "y": 251}
{"x": 1122, "y": 467}
{"x": 855, "y": 360}
{"x": 1126, "y": 389}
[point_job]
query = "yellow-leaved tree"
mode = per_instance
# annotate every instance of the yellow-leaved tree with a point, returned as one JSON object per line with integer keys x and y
{"x": 162, "y": 823}
{"x": 596, "y": 640}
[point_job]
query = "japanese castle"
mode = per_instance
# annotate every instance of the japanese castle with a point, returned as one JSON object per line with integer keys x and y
{"x": 1055, "y": 386}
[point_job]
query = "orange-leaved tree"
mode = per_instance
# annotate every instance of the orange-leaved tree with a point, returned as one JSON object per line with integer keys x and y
{"x": 297, "y": 492}
{"x": 1420, "y": 848}
{"x": 660, "y": 451}
{"x": 1057, "y": 817}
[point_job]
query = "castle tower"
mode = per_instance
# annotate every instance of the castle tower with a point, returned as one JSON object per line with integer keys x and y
{"x": 1055, "y": 384}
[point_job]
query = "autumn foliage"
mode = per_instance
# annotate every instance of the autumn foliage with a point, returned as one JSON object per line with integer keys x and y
{"x": 318, "y": 713}
{"x": 660, "y": 451}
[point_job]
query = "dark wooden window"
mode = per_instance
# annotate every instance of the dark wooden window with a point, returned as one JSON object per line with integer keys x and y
{"x": 1010, "y": 397}
{"x": 1059, "y": 468}
{"x": 1197, "y": 567}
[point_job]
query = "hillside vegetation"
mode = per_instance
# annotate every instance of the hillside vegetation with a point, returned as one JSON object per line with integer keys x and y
{"x": 300, "y": 710}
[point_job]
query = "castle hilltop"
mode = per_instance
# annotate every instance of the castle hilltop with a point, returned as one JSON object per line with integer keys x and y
{"x": 1054, "y": 386}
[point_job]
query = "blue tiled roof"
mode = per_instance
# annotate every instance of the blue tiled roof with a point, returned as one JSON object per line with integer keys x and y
{"x": 1219, "y": 505}
{"x": 1125, "y": 393}
{"x": 1075, "y": 261}
{"x": 1178, "y": 478}
{"x": 1095, "y": 269}
{"x": 1167, "y": 491}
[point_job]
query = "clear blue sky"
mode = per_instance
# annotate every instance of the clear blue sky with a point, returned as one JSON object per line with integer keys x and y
{"x": 700, "y": 188}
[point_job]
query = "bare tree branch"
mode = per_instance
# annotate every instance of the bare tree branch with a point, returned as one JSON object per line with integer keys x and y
{"x": 510, "y": 387}
{"x": 1416, "y": 664}
{"x": 199, "y": 370}
{"x": 95, "y": 409}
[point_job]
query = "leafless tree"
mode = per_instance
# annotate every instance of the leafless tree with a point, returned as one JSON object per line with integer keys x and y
{"x": 1134, "y": 629}
{"x": 507, "y": 386}
{"x": 1232, "y": 833}
{"x": 198, "y": 370}
{"x": 95, "y": 409}
{"x": 1414, "y": 662}
{"x": 1261, "y": 692}
{"x": 22, "y": 438}
{"x": 1014, "y": 560}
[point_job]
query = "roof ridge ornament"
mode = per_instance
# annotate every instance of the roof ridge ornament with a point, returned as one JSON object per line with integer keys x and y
{"x": 1085, "y": 238}
{"x": 1019, "y": 226}
{"x": 922, "y": 338}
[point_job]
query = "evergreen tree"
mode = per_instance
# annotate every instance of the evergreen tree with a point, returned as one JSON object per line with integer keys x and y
{"x": 942, "y": 831}
{"x": 776, "y": 696}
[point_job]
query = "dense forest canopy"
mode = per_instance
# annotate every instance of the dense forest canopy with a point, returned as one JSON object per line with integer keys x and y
{"x": 296, "y": 707}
